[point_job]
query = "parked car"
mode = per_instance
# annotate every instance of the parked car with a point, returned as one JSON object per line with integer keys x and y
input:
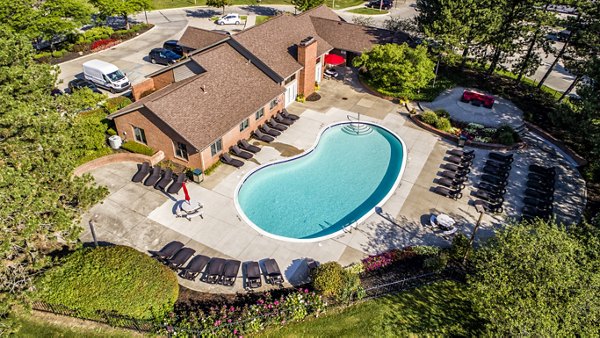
{"x": 82, "y": 83}
{"x": 386, "y": 4}
{"x": 173, "y": 46}
{"x": 230, "y": 19}
{"x": 163, "y": 56}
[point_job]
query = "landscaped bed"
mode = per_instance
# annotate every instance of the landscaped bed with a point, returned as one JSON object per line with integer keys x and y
{"x": 368, "y": 11}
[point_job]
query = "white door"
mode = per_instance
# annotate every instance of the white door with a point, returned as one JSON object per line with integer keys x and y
{"x": 318, "y": 69}
{"x": 291, "y": 91}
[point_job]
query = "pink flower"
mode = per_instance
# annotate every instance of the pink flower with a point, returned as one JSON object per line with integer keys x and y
{"x": 260, "y": 301}
{"x": 217, "y": 323}
{"x": 229, "y": 320}
{"x": 276, "y": 303}
{"x": 235, "y": 331}
{"x": 305, "y": 290}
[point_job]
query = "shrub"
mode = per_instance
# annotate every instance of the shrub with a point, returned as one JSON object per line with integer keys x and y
{"x": 458, "y": 249}
{"x": 43, "y": 56}
{"x": 113, "y": 104}
{"x": 355, "y": 268}
{"x": 426, "y": 250}
{"x": 212, "y": 168}
{"x": 443, "y": 124}
{"x": 111, "y": 132}
{"x": 442, "y": 113}
{"x": 506, "y": 138}
{"x": 59, "y": 53}
{"x": 96, "y": 33}
{"x": 429, "y": 117}
{"x": 80, "y": 47}
{"x": 351, "y": 288}
{"x": 436, "y": 263}
{"x": 138, "y": 148}
{"x": 328, "y": 279}
{"x": 115, "y": 279}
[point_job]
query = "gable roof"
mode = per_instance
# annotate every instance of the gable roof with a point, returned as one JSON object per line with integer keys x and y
{"x": 197, "y": 38}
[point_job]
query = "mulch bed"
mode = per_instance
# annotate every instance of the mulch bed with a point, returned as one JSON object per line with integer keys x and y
{"x": 313, "y": 97}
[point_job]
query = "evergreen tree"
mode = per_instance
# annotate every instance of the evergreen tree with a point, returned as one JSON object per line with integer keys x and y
{"x": 218, "y": 3}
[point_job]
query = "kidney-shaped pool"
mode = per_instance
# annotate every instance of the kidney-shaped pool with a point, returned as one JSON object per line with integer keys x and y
{"x": 352, "y": 168}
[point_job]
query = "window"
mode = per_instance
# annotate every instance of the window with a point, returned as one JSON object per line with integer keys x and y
{"x": 216, "y": 147}
{"x": 290, "y": 79}
{"x": 273, "y": 103}
{"x": 244, "y": 124}
{"x": 318, "y": 61}
{"x": 260, "y": 113}
{"x": 139, "y": 135}
{"x": 181, "y": 150}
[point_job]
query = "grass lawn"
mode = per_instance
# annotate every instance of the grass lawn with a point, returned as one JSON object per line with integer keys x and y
{"x": 261, "y": 18}
{"x": 367, "y": 11}
{"x": 34, "y": 327}
{"x": 439, "y": 309}
{"x": 339, "y": 4}
{"x": 162, "y": 4}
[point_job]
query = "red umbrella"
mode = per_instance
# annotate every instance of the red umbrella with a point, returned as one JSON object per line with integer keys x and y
{"x": 334, "y": 59}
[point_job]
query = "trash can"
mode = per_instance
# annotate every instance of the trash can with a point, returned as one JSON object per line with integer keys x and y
{"x": 197, "y": 175}
{"x": 115, "y": 142}
{"x": 461, "y": 141}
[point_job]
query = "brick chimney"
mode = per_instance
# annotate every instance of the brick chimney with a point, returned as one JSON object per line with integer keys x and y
{"x": 307, "y": 57}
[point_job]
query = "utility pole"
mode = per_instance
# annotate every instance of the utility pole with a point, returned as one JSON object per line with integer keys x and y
{"x": 481, "y": 209}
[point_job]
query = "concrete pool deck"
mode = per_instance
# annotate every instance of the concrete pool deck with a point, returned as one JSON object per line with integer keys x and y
{"x": 143, "y": 217}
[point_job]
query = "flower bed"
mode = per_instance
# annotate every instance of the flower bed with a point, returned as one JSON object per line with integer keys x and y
{"x": 103, "y": 44}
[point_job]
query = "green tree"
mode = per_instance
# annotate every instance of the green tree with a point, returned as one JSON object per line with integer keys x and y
{"x": 304, "y": 5}
{"x": 538, "y": 279}
{"x": 219, "y": 3}
{"x": 397, "y": 68}
{"x": 121, "y": 8}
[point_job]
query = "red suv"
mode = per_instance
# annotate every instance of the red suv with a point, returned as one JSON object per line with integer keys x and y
{"x": 477, "y": 99}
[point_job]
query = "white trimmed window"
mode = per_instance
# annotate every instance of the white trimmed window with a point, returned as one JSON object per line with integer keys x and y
{"x": 181, "y": 150}
{"x": 244, "y": 124}
{"x": 139, "y": 135}
{"x": 260, "y": 113}
{"x": 216, "y": 147}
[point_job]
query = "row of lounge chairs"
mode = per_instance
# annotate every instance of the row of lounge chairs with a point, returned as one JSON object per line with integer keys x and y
{"x": 266, "y": 133}
{"x": 217, "y": 270}
{"x": 494, "y": 179}
{"x": 159, "y": 178}
{"x": 539, "y": 194}
{"x": 453, "y": 178}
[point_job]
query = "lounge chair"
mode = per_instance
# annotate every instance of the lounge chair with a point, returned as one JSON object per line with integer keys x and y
{"x": 214, "y": 270}
{"x": 459, "y": 160}
{"x": 167, "y": 176}
{"x": 180, "y": 258}
{"x": 494, "y": 189}
{"x": 283, "y": 120}
{"x": 235, "y": 150}
{"x": 230, "y": 272}
{"x": 194, "y": 267}
{"x": 540, "y": 204}
{"x": 225, "y": 158}
{"x": 289, "y": 116}
{"x": 549, "y": 189}
{"x": 499, "y": 165}
{"x": 530, "y": 212}
{"x": 177, "y": 184}
{"x": 143, "y": 170}
{"x": 253, "y": 279}
{"x": 539, "y": 195}
{"x": 495, "y": 180}
{"x": 463, "y": 170}
{"x": 279, "y": 126}
{"x": 245, "y": 145}
{"x": 488, "y": 196}
{"x": 490, "y": 207}
{"x": 268, "y": 130}
{"x": 450, "y": 183}
{"x": 153, "y": 178}
{"x": 167, "y": 251}
{"x": 496, "y": 171}
{"x": 272, "y": 273}
{"x": 462, "y": 153}
{"x": 456, "y": 176}
{"x": 450, "y": 193}
{"x": 259, "y": 135}
{"x": 546, "y": 171}
{"x": 505, "y": 158}
{"x": 547, "y": 180}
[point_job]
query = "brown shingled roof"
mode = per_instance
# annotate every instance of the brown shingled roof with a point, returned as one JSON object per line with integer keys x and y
{"x": 198, "y": 38}
{"x": 214, "y": 102}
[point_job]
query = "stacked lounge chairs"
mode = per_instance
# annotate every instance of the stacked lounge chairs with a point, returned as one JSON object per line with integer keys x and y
{"x": 490, "y": 191}
{"x": 452, "y": 180}
{"x": 159, "y": 178}
{"x": 539, "y": 194}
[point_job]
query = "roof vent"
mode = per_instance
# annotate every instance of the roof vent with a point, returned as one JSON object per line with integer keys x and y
{"x": 307, "y": 41}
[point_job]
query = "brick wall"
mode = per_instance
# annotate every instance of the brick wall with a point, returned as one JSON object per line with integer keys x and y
{"x": 307, "y": 57}
{"x": 164, "y": 79}
{"x": 138, "y": 89}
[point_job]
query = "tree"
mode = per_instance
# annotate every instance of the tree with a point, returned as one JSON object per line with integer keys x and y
{"x": 304, "y": 5}
{"x": 397, "y": 68}
{"x": 538, "y": 279}
{"x": 121, "y": 8}
{"x": 218, "y": 3}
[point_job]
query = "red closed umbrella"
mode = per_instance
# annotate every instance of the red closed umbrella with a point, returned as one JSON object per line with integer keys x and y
{"x": 334, "y": 59}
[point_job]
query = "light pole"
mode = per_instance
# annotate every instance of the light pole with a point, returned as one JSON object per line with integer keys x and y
{"x": 481, "y": 210}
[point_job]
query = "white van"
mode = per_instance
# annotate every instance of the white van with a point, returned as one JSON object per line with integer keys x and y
{"x": 106, "y": 75}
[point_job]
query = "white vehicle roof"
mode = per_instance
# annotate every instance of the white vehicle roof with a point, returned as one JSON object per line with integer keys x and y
{"x": 105, "y": 67}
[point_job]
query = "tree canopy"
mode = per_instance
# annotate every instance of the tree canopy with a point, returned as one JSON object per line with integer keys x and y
{"x": 539, "y": 279}
{"x": 121, "y": 8}
{"x": 304, "y": 5}
{"x": 218, "y": 3}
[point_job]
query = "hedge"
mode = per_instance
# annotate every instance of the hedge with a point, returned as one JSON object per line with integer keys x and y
{"x": 138, "y": 148}
{"x": 113, "y": 104}
{"x": 115, "y": 279}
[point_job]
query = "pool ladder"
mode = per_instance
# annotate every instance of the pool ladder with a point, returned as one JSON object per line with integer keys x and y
{"x": 356, "y": 127}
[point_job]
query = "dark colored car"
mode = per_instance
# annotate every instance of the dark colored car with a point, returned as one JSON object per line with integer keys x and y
{"x": 386, "y": 4}
{"x": 163, "y": 56}
{"x": 173, "y": 46}
{"x": 82, "y": 83}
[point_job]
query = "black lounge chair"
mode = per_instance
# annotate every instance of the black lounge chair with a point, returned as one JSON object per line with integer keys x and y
{"x": 270, "y": 131}
{"x": 235, "y": 150}
{"x": 452, "y": 184}
{"x": 272, "y": 273}
{"x": 490, "y": 207}
{"x": 177, "y": 184}
{"x": 279, "y": 126}
{"x": 540, "y": 204}
{"x": 458, "y": 177}
{"x": 462, "y": 153}
{"x": 194, "y": 267}
{"x": 289, "y": 116}
{"x": 548, "y": 189}
{"x": 245, "y": 145}
{"x": 539, "y": 195}
{"x": 259, "y": 135}
{"x": 214, "y": 270}
{"x": 167, "y": 176}
{"x": 495, "y": 180}
{"x": 253, "y": 279}
{"x": 153, "y": 178}
{"x": 496, "y": 171}
{"x": 494, "y": 189}
{"x": 550, "y": 171}
{"x": 505, "y": 158}
{"x": 499, "y": 165}
{"x": 450, "y": 193}
{"x": 230, "y": 272}
{"x": 530, "y": 213}
{"x": 459, "y": 160}
{"x": 143, "y": 170}
{"x": 180, "y": 258}
{"x": 167, "y": 251}
{"x": 488, "y": 196}
{"x": 547, "y": 180}
{"x": 280, "y": 119}
{"x": 225, "y": 158}
{"x": 462, "y": 170}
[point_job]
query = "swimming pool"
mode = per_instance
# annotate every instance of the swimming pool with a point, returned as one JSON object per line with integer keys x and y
{"x": 335, "y": 184}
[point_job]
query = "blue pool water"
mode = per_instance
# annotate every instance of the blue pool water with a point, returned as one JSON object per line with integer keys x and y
{"x": 319, "y": 193}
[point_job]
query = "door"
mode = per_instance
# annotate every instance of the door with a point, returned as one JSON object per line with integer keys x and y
{"x": 318, "y": 69}
{"x": 291, "y": 91}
